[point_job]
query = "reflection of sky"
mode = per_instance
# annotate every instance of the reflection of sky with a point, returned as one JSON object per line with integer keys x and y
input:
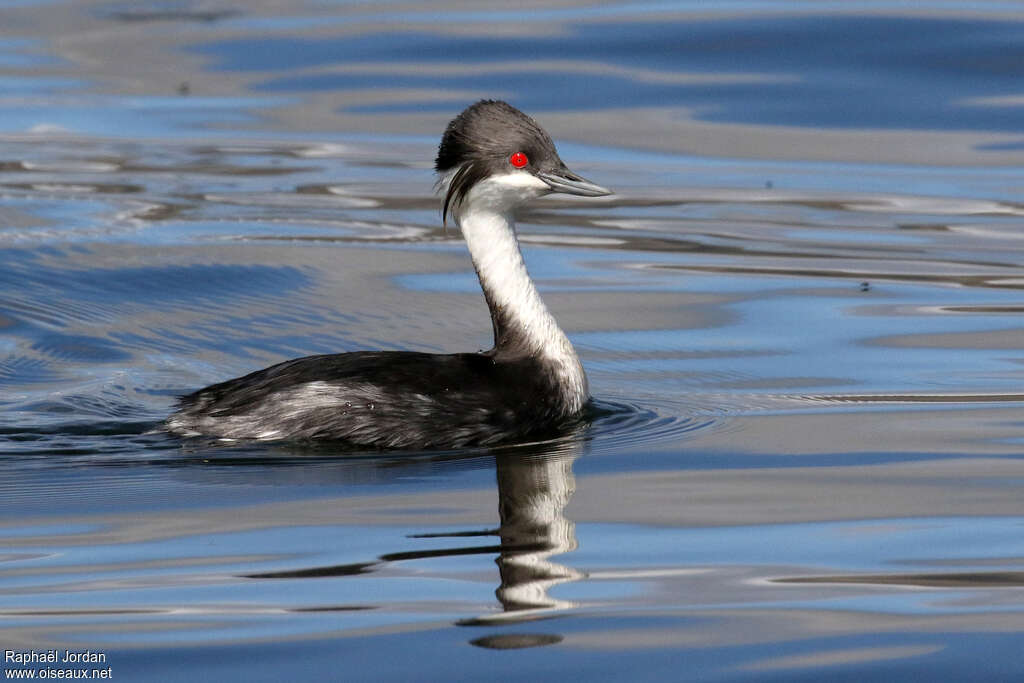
{"x": 890, "y": 545}
{"x": 10, "y": 86}
{"x": 829, "y": 71}
{"x": 101, "y": 562}
{"x": 123, "y": 117}
{"x": 18, "y": 52}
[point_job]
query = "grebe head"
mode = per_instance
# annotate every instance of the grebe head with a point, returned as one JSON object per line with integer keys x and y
{"x": 494, "y": 144}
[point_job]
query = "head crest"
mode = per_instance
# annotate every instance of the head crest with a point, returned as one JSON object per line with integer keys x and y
{"x": 483, "y": 140}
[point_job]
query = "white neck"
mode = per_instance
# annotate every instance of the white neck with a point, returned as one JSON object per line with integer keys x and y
{"x": 522, "y": 323}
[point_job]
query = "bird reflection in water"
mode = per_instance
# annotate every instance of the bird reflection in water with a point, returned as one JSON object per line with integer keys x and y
{"x": 533, "y": 491}
{"x": 532, "y": 494}
{"x": 534, "y": 485}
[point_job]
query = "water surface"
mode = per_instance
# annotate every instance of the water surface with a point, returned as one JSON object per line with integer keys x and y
{"x": 800, "y": 315}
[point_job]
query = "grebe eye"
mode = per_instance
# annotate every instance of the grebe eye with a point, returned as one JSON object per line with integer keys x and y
{"x": 518, "y": 160}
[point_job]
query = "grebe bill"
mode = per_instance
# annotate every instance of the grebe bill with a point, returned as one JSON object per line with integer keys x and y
{"x": 492, "y": 159}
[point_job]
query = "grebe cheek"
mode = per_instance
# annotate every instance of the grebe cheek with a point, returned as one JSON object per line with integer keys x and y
{"x": 507, "y": 190}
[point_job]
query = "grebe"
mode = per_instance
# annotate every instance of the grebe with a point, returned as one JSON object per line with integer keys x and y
{"x": 492, "y": 159}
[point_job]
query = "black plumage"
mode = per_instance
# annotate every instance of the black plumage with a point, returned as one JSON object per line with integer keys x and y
{"x": 387, "y": 399}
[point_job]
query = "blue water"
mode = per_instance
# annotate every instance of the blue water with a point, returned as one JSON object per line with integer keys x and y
{"x": 800, "y": 315}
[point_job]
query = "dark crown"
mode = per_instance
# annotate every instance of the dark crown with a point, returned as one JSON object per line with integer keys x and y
{"x": 479, "y": 142}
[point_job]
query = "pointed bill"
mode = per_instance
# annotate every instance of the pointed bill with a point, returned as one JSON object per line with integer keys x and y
{"x": 567, "y": 182}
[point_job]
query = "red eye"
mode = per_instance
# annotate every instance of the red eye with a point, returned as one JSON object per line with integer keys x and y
{"x": 518, "y": 160}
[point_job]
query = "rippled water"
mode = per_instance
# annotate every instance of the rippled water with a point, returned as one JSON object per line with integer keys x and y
{"x": 800, "y": 315}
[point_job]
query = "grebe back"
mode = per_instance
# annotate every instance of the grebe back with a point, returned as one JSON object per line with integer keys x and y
{"x": 492, "y": 159}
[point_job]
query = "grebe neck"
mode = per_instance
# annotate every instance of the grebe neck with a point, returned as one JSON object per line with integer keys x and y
{"x": 523, "y": 325}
